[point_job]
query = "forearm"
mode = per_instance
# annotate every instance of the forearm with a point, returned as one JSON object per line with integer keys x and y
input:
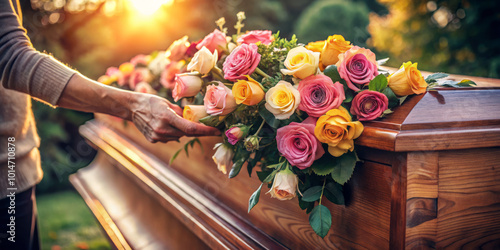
{"x": 87, "y": 95}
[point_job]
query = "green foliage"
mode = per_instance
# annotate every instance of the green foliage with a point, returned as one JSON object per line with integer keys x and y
{"x": 320, "y": 220}
{"x": 312, "y": 194}
{"x": 344, "y": 167}
{"x": 379, "y": 83}
{"x": 333, "y": 192}
{"x": 452, "y": 36}
{"x": 332, "y": 72}
{"x": 273, "y": 55}
{"x": 325, "y": 18}
{"x": 254, "y": 199}
{"x": 188, "y": 144}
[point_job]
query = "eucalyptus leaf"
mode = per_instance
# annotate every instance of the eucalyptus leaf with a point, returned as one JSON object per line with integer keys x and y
{"x": 312, "y": 194}
{"x": 344, "y": 167}
{"x": 435, "y": 76}
{"x": 320, "y": 220}
{"x": 254, "y": 199}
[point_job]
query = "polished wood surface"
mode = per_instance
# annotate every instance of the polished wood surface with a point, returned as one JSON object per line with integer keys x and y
{"x": 430, "y": 178}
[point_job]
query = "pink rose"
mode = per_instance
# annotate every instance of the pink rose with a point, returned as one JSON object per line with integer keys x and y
{"x": 167, "y": 78}
{"x": 112, "y": 71}
{"x": 297, "y": 143}
{"x": 139, "y": 75}
{"x": 367, "y": 105}
{"x": 254, "y": 36}
{"x": 177, "y": 49}
{"x": 140, "y": 59}
{"x": 214, "y": 41}
{"x": 318, "y": 94}
{"x": 357, "y": 67}
{"x": 186, "y": 85}
{"x": 242, "y": 61}
{"x": 219, "y": 100}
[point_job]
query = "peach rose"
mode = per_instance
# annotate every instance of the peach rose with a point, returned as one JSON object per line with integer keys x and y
{"x": 194, "y": 112}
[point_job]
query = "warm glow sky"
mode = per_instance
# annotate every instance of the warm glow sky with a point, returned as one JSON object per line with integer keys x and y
{"x": 148, "y": 7}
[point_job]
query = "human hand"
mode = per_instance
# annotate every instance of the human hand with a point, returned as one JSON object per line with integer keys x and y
{"x": 160, "y": 120}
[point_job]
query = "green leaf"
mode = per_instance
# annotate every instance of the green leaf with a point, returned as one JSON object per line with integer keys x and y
{"x": 466, "y": 83}
{"x": 393, "y": 99}
{"x": 324, "y": 165}
{"x": 379, "y": 83}
{"x": 312, "y": 194}
{"x": 402, "y": 99}
{"x": 344, "y": 167}
{"x": 320, "y": 220}
{"x": 268, "y": 116}
{"x": 349, "y": 94}
{"x": 254, "y": 199}
{"x": 212, "y": 121}
{"x": 332, "y": 72}
{"x": 253, "y": 162}
{"x": 174, "y": 156}
{"x": 240, "y": 157}
{"x": 435, "y": 76}
{"x": 262, "y": 175}
{"x": 333, "y": 192}
{"x": 270, "y": 177}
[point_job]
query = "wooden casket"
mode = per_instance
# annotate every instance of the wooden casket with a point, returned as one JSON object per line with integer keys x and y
{"x": 430, "y": 178}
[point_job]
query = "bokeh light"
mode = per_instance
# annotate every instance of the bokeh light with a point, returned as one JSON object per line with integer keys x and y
{"x": 148, "y": 7}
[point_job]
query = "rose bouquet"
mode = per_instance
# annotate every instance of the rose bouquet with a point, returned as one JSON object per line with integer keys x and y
{"x": 292, "y": 110}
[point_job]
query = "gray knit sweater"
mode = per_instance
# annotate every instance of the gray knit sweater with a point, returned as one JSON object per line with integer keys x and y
{"x": 24, "y": 72}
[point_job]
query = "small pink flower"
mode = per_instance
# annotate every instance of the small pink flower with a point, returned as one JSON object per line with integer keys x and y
{"x": 214, "y": 41}
{"x": 219, "y": 100}
{"x": 186, "y": 85}
{"x": 318, "y": 94}
{"x": 367, "y": 105}
{"x": 140, "y": 59}
{"x": 357, "y": 67}
{"x": 112, "y": 71}
{"x": 139, "y": 75}
{"x": 144, "y": 87}
{"x": 242, "y": 61}
{"x": 254, "y": 36}
{"x": 297, "y": 143}
{"x": 236, "y": 133}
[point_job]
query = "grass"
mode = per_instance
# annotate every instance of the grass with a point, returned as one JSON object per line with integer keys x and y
{"x": 65, "y": 222}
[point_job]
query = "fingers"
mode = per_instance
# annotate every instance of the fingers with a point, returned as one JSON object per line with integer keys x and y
{"x": 193, "y": 129}
{"x": 178, "y": 110}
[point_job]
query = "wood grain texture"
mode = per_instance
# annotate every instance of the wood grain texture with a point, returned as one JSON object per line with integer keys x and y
{"x": 362, "y": 223}
{"x": 469, "y": 199}
{"x": 398, "y": 201}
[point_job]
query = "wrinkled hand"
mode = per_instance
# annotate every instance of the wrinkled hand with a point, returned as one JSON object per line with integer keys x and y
{"x": 160, "y": 120}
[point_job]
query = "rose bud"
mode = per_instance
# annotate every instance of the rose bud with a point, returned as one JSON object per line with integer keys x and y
{"x": 367, "y": 105}
{"x": 203, "y": 61}
{"x": 214, "y": 41}
{"x": 194, "y": 112}
{"x": 285, "y": 185}
{"x": 186, "y": 85}
{"x": 252, "y": 143}
{"x": 236, "y": 133}
{"x": 407, "y": 80}
{"x": 223, "y": 156}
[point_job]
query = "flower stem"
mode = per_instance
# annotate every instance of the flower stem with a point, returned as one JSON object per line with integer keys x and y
{"x": 262, "y": 73}
{"x": 261, "y": 125}
{"x": 322, "y": 190}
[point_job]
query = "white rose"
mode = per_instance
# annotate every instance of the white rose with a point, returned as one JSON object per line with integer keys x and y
{"x": 223, "y": 156}
{"x": 203, "y": 61}
{"x": 282, "y": 100}
{"x": 301, "y": 62}
{"x": 284, "y": 185}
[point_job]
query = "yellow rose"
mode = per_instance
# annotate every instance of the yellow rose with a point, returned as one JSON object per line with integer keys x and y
{"x": 247, "y": 92}
{"x": 334, "y": 46}
{"x": 194, "y": 112}
{"x": 337, "y": 129}
{"x": 126, "y": 68}
{"x": 107, "y": 80}
{"x": 316, "y": 46}
{"x": 301, "y": 62}
{"x": 407, "y": 80}
{"x": 282, "y": 100}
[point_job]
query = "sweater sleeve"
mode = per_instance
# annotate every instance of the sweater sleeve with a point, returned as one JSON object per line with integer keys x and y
{"x": 24, "y": 69}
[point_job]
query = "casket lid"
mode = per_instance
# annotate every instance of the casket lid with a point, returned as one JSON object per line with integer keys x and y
{"x": 442, "y": 119}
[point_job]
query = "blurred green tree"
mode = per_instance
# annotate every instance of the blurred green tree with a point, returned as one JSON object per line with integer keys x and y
{"x": 457, "y": 36}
